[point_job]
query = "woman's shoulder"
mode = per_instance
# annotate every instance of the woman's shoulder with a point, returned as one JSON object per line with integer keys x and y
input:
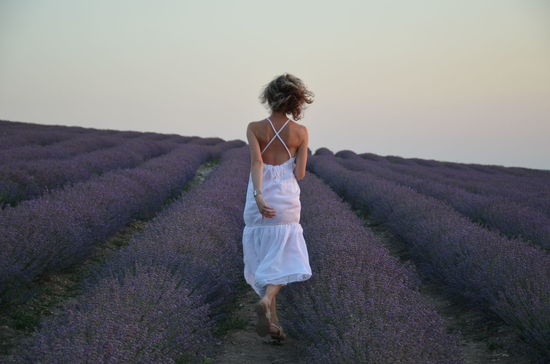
{"x": 300, "y": 128}
{"x": 254, "y": 124}
{"x": 262, "y": 124}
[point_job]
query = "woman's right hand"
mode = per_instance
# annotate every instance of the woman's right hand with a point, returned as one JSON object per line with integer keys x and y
{"x": 265, "y": 210}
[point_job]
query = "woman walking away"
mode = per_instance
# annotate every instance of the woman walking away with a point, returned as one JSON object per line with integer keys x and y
{"x": 274, "y": 249}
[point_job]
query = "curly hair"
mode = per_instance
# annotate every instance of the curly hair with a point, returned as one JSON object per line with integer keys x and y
{"x": 287, "y": 93}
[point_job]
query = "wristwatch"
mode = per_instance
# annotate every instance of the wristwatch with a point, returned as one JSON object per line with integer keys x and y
{"x": 257, "y": 192}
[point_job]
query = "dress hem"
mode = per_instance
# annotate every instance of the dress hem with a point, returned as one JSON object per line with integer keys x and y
{"x": 260, "y": 287}
{"x": 269, "y": 225}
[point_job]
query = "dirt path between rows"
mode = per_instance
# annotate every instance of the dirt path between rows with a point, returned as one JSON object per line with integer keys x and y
{"x": 244, "y": 346}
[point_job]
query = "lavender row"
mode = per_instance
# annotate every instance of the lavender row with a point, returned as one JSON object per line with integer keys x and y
{"x": 61, "y": 228}
{"x": 533, "y": 191}
{"x": 159, "y": 299}
{"x": 512, "y": 219}
{"x": 14, "y": 134}
{"x": 526, "y": 173}
{"x": 81, "y": 143}
{"x": 502, "y": 275}
{"x": 487, "y": 178}
{"x": 91, "y": 142}
{"x": 512, "y": 174}
{"x": 32, "y": 137}
{"x": 204, "y": 141}
{"x": 59, "y": 150}
{"x": 533, "y": 178}
{"x": 23, "y": 126}
{"x": 218, "y": 149}
{"x": 17, "y": 134}
{"x": 522, "y": 172}
{"x": 528, "y": 192}
{"x": 24, "y": 180}
{"x": 361, "y": 304}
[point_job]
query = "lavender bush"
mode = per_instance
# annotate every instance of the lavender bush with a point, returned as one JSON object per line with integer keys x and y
{"x": 514, "y": 220}
{"x": 529, "y": 173}
{"x": 361, "y": 304}
{"x": 218, "y": 149}
{"x": 206, "y": 141}
{"x": 23, "y": 180}
{"x": 62, "y": 150}
{"x": 60, "y": 229}
{"x": 16, "y": 134}
{"x": 502, "y": 275}
{"x": 26, "y": 141}
{"x": 158, "y": 299}
{"x": 32, "y": 137}
{"x": 533, "y": 193}
{"x": 146, "y": 316}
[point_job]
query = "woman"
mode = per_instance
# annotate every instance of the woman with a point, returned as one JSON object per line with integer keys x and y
{"x": 274, "y": 249}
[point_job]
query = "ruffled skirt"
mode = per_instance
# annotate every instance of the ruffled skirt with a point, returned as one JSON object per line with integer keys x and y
{"x": 274, "y": 249}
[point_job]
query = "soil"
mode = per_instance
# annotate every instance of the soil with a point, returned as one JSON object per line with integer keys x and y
{"x": 244, "y": 346}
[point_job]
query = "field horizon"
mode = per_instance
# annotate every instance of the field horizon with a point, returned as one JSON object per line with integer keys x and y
{"x": 389, "y": 156}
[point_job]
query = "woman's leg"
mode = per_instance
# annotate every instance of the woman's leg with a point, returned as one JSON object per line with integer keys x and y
{"x": 274, "y": 317}
{"x": 269, "y": 300}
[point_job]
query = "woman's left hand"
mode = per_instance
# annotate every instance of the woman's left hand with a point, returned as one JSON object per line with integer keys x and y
{"x": 265, "y": 210}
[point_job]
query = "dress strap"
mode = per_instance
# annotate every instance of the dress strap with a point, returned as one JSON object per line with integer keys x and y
{"x": 277, "y": 136}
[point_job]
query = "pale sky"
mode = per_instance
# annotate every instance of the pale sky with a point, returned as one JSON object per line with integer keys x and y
{"x": 463, "y": 81}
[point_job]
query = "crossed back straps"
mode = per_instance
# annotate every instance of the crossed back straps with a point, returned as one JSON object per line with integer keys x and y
{"x": 277, "y": 136}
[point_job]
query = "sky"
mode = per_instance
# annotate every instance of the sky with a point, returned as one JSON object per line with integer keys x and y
{"x": 462, "y": 81}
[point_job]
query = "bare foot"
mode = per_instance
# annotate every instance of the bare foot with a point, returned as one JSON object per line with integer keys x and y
{"x": 277, "y": 332}
{"x": 273, "y": 328}
{"x": 264, "y": 317}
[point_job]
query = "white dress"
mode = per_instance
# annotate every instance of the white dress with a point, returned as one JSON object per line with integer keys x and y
{"x": 274, "y": 248}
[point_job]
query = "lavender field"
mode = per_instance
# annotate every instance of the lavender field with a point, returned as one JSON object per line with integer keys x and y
{"x": 125, "y": 247}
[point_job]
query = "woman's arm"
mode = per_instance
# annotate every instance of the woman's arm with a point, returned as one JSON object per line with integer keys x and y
{"x": 256, "y": 161}
{"x": 301, "y": 156}
{"x": 256, "y": 170}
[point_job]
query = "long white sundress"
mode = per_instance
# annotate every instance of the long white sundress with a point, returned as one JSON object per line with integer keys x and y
{"x": 274, "y": 248}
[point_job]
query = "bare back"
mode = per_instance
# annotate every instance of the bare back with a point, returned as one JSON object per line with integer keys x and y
{"x": 276, "y": 153}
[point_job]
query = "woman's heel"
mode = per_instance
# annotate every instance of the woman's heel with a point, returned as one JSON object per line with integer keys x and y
{"x": 264, "y": 317}
{"x": 280, "y": 334}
